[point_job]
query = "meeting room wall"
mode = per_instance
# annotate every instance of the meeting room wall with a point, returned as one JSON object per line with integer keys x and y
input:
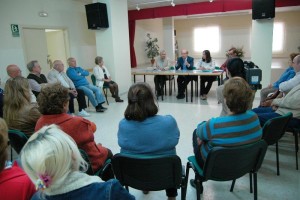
{"x": 67, "y": 14}
{"x": 155, "y": 28}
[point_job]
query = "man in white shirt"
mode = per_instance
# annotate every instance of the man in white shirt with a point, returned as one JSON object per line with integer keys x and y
{"x": 286, "y": 86}
{"x": 57, "y": 75}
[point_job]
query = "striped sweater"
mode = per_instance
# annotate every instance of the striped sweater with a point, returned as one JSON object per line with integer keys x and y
{"x": 228, "y": 131}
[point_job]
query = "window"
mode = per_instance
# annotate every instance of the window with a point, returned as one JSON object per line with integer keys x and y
{"x": 207, "y": 38}
{"x": 278, "y": 37}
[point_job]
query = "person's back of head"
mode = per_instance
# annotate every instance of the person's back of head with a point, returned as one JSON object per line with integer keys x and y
{"x": 17, "y": 96}
{"x": 235, "y": 68}
{"x": 49, "y": 156}
{"x": 53, "y": 99}
{"x": 141, "y": 102}
{"x": 238, "y": 95}
{"x": 3, "y": 144}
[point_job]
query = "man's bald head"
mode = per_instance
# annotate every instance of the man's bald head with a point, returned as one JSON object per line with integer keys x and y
{"x": 13, "y": 71}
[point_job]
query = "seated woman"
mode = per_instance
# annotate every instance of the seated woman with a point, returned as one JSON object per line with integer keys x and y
{"x": 240, "y": 127}
{"x": 52, "y": 161}
{"x": 103, "y": 78}
{"x": 285, "y": 76}
{"x": 206, "y": 64}
{"x": 18, "y": 111}
{"x": 235, "y": 68}
{"x": 143, "y": 131}
{"x": 14, "y": 183}
{"x": 53, "y": 104}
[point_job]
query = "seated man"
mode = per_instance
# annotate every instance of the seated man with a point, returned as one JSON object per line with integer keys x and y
{"x": 184, "y": 62}
{"x": 57, "y": 75}
{"x": 285, "y": 76}
{"x": 13, "y": 71}
{"x": 161, "y": 63}
{"x": 36, "y": 79}
{"x": 241, "y": 127}
{"x": 77, "y": 75}
{"x": 281, "y": 106}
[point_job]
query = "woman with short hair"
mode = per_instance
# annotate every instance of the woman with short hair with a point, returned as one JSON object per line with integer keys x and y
{"x": 144, "y": 132}
{"x": 53, "y": 162}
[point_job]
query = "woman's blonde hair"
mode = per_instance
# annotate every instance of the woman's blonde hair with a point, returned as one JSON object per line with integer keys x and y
{"x": 17, "y": 96}
{"x": 51, "y": 153}
{"x": 3, "y": 143}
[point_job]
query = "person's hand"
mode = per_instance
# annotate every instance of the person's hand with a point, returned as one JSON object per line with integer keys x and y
{"x": 73, "y": 91}
{"x": 186, "y": 63}
{"x": 267, "y": 103}
{"x": 274, "y": 107}
{"x": 270, "y": 85}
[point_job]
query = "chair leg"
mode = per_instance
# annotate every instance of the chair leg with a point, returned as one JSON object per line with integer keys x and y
{"x": 11, "y": 153}
{"x": 250, "y": 177}
{"x": 105, "y": 94}
{"x": 277, "y": 159}
{"x": 199, "y": 187}
{"x": 296, "y": 132}
{"x": 232, "y": 185}
{"x": 255, "y": 185}
{"x": 192, "y": 90}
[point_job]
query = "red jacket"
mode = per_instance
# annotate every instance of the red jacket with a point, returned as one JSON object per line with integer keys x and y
{"x": 15, "y": 184}
{"x": 82, "y": 131}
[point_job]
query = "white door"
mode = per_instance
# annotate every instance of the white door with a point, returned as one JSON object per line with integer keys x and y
{"x": 35, "y": 46}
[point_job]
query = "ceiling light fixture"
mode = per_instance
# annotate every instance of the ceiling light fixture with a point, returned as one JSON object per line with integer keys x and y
{"x": 43, "y": 14}
{"x": 172, "y": 3}
{"x": 137, "y": 7}
{"x": 211, "y": 1}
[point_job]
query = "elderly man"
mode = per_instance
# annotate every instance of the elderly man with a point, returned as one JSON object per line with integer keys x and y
{"x": 14, "y": 71}
{"x": 36, "y": 79}
{"x": 77, "y": 75}
{"x": 184, "y": 62}
{"x": 57, "y": 75}
{"x": 161, "y": 63}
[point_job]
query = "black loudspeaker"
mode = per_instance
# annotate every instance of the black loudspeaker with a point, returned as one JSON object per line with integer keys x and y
{"x": 96, "y": 15}
{"x": 263, "y": 9}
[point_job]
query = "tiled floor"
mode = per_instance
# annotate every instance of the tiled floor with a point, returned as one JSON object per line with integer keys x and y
{"x": 188, "y": 115}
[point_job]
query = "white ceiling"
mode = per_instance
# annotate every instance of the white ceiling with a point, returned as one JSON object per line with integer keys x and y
{"x": 157, "y": 3}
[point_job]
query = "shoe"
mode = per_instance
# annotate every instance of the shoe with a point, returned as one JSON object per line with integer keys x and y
{"x": 193, "y": 184}
{"x": 100, "y": 106}
{"x": 145, "y": 192}
{"x": 203, "y": 97}
{"x": 83, "y": 113}
{"x": 119, "y": 100}
{"x": 99, "y": 110}
{"x": 180, "y": 96}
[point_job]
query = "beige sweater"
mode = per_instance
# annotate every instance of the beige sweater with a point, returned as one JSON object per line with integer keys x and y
{"x": 289, "y": 103}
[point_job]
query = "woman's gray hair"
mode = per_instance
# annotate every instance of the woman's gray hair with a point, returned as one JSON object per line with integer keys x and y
{"x": 31, "y": 64}
{"x": 98, "y": 60}
{"x": 51, "y": 152}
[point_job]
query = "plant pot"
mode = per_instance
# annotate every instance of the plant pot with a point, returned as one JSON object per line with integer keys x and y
{"x": 152, "y": 61}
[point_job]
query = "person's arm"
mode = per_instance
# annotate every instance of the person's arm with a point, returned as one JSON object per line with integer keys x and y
{"x": 83, "y": 72}
{"x": 35, "y": 86}
{"x": 287, "y": 75}
{"x": 118, "y": 192}
{"x": 290, "y": 84}
{"x": 179, "y": 64}
{"x": 290, "y": 101}
{"x": 98, "y": 74}
{"x": 73, "y": 75}
{"x": 190, "y": 65}
{"x": 52, "y": 77}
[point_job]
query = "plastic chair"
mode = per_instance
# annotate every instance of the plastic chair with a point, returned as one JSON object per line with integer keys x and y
{"x": 105, "y": 173}
{"x": 149, "y": 173}
{"x": 104, "y": 88}
{"x": 273, "y": 130}
{"x": 17, "y": 140}
{"x": 229, "y": 163}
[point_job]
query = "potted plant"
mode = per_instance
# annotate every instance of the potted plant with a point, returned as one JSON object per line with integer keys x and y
{"x": 152, "y": 48}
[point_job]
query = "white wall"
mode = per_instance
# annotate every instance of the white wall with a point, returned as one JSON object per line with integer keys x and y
{"x": 155, "y": 28}
{"x": 66, "y": 14}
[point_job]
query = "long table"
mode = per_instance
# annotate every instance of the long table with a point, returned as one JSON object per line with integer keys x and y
{"x": 144, "y": 72}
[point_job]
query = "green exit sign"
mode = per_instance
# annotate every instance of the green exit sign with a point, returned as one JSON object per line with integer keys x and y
{"x": 15, "y": 30}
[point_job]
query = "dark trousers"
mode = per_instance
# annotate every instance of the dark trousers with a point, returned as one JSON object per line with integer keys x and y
{"x": 205, "y": 89}
{"x": 171, "y": 192}
{"x": 196, "y": 148}
{"x": 80, "y": 99}
{"x": 266, "y": 113}
{"x": 159, "y": 82}
{"x": 182, "y": 82}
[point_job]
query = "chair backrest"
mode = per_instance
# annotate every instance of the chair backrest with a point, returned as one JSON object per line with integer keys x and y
{"x": 84, "y": 155}
{"x": 275, "y": 128}
{"x": 93, "y": 79}
{"x": 229, "y": 163}
{"x": 17, "y": 139}
{"x": 151, "y": 173}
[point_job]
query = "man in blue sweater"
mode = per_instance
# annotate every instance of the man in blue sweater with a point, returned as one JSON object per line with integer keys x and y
{"x": 77, "y": 75}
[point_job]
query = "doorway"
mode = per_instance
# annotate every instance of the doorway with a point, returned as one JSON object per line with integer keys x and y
{"x": 45, "y": 45}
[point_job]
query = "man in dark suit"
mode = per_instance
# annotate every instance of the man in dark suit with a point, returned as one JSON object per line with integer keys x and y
{"x": 184, "y": 62}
